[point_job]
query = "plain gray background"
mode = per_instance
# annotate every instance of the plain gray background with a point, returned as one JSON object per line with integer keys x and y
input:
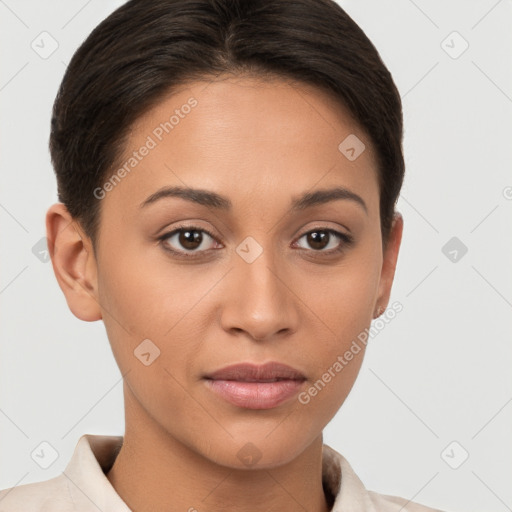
{"x": 435, "y": 385}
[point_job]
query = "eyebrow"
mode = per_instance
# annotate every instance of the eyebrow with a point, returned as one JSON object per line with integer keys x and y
{"x": 217, "y": 201}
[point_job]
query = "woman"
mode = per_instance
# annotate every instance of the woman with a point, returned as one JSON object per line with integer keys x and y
{"x": 227, "y": 174}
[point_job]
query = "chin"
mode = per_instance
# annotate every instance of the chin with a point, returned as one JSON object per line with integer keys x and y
{"x": 256, "y": 451}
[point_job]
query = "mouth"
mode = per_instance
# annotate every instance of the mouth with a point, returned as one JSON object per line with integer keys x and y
{"x": 249, "y": 372}
{"x": 253, "y": 386}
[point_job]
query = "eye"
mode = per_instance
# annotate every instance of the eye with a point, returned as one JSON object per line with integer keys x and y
{"x": 326, "y": 240}
{"x": 192, "y": 241}
{"x": 187, "y": 240}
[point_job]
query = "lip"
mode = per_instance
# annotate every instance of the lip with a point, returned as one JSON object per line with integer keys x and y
{"x": 250, "y": 372}
{"x": 254, "y": 386}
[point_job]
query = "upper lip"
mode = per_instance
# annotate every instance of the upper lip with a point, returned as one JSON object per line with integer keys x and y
{"x": 249, "y": 372}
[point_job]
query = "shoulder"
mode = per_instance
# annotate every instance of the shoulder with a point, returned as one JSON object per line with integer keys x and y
{"x": 350, "y": 493}
{"x": 81, "y": 487}
{"x": 387, "y": 503}
{"x": 47, "y": 496}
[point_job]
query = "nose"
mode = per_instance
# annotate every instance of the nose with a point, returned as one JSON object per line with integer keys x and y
{"x": 260, "y": 300}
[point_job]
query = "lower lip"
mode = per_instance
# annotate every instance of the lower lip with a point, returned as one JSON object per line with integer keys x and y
{"x": 255, "y": 395}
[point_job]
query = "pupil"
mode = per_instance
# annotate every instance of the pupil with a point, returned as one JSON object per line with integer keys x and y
{"x": 191, "y": 239}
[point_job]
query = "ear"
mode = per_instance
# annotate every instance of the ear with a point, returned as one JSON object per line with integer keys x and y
{"x": 74, "y": 263}
{"x": 390, "y": 257}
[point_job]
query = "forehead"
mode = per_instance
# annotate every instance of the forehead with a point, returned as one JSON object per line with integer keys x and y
{"x": 245, "y": 137}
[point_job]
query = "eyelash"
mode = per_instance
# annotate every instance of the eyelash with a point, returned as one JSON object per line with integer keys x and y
{"x": 347, "y": 240}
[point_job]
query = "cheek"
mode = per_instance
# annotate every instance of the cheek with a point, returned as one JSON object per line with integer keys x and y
{"x": 145, "y": 297}
{"x": 337, "y": 355}
{"x": 141, "y": 291}
{"x": 344, "y": 305}
{"x": 345, "y": 300}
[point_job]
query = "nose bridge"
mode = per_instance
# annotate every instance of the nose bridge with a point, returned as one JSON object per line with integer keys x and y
{"x": 261, "y": 278}
{"x": 261, "y": 305}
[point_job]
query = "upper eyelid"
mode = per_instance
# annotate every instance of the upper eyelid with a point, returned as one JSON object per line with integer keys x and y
{"x": 174, "y": 231}
{"x": 209, "y": 232}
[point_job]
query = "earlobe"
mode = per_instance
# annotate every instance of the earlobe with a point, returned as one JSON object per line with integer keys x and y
{"x": 390, "y": 258}
{"x": 73, "y": 262}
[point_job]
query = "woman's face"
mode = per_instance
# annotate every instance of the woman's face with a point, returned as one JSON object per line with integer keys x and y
{"x": 257, "y": 279}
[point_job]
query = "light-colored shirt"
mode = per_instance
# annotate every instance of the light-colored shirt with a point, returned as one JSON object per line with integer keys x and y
{"x": 84, "y": 487}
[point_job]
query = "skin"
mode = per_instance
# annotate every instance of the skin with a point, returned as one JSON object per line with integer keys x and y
{"x": 260, "y": 143}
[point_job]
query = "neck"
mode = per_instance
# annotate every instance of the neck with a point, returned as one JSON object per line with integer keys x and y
{"x": 154, "y": 471}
